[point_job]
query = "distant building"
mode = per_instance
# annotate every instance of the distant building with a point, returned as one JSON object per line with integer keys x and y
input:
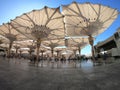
{"x": 111, "y": 46}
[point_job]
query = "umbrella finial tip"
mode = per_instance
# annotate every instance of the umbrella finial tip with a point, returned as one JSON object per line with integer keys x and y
{"x": 34, "y": 10}
{"x": 45, "y": 7}
{"x": 87, "y": 2}
{"x": 74, "y": 2}
{"x": 58, "y": 8}
{"x": 24, "y": 13}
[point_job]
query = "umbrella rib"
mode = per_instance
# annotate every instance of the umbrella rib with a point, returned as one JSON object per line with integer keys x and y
{"x": 56, "y": 29}
{"x": 73, "y": 11}
{"x": 74, "y": 40}
{"x": 56, "y": 38}
{"x": 19, "y": 24}
{"x": 75, "y": 22}
{"x": 26, "y": 31}
{"x": 85, "y": 30}
{"x": 46, "y": 12}
{"x": 6, "y": 27}
{"x": 24, "y": 19}
{"x": 39, "y": 16}
{"x": 20, "y": 31}
{"x": 34, "y": 17}
{"x": 51, "y": 16}
{"x": 24, "y": 27}
{"x": 31, "y": 19}
{"x": 85, "y": 19}
{"x": 99, "y": 12}
{"x": 53, "y": 24}
{"x": 93, "y": 9}
{"x": 103, "y": 11}
{"x": 79, "y": 11}
{"x": 78, "y": 27}
{"x": 109, "y": 19}
{"x": 71, "y": 15}
{"x": 57, "y": 18}
{"x": 110, "y": 16}
{"x": 60, "y": 31}
{"x": 71, "y": 24}
{"x": 2, "y": 34}
{"x": 72, "y": 20}
{"x": 2, "y": 31}
{"x": 9, "y": 28}
{"x": 56, "y": 35}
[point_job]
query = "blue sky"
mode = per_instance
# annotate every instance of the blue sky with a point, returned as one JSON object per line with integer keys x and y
{"x": 9, "y": 9}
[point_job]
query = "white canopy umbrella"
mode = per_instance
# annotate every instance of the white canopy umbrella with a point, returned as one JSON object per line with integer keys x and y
{"x": 79, "y": 43}
{"x": 88, "y": 19}
{"x": 53, "y": 44}
{"x": 11, "y": 34}
{"x": 40, "y": 25}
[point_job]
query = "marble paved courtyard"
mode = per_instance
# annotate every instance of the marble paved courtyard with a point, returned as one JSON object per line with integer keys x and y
{"x": 22, "y": 76}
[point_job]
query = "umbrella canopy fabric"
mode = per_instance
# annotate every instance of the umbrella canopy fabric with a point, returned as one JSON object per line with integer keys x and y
{"x": 25, "y": 43}
{"x": 78, "y": 42}
{"x": 87, "y": 19}
{"x": 3, "y": 40}
{"x": 4, "y": 45}
{"x": 75, "y": 44}
{"x": 10, "y": 33}
{"x": 40, "y": 24}
{"x": 54, "y": 43}
{"x": 66, "y": 52}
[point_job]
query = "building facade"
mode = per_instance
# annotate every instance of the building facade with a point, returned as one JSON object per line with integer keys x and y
{"x": 110, "y": 46}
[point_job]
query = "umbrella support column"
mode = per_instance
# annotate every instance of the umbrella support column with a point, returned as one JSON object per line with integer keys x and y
{"x": 30, "y": 55}
{"x": 93, "y": 55}
{"x": 79, "y": 50}
{"x": 52, "y": 51}
{"x": 57, "y": 53}
{"x": 79, "y": 55}
{"x": 9, "y": 49}
{"x": 42, "y": 51}
{"x": 20, "y": 53}
{"x": 16, "y": 52}
{"x": 37, "y": 53}
{"x": 16, "y": 55}
{"x": 91, "y": 41}
{"x": 75, "y": 58}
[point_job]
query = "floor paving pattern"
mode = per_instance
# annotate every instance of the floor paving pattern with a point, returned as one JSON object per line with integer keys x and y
{"x": 22, "y": 76}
